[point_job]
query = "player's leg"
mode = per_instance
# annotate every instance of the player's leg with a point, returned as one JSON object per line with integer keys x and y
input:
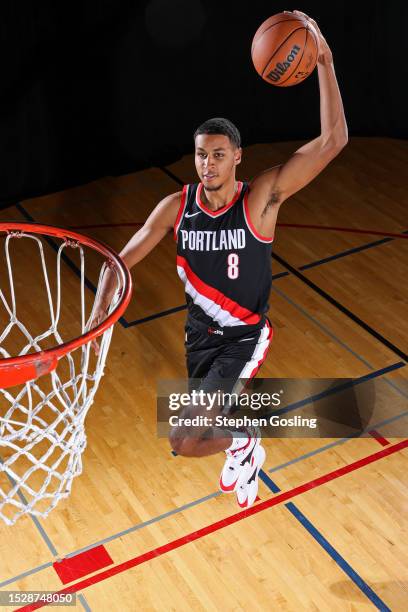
{"x": 241, "y": 361}
{"x": 201, "y": 352}
{"x": 218, "y": 365}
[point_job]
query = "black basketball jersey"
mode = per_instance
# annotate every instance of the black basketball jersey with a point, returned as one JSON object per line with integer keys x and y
{"x": 224, "y": 263}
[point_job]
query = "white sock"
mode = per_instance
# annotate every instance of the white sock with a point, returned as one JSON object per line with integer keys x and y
{"x": 238, "y": 443}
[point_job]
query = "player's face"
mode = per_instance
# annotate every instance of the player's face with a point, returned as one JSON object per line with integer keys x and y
{"x": 215, "y": 160}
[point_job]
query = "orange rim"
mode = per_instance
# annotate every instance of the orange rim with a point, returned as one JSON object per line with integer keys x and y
{"x": 28, "y": 367}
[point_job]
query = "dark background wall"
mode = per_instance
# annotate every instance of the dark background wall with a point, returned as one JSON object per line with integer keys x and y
{"x": 111, "y": 86}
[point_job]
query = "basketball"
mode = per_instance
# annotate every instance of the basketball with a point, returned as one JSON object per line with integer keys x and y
{"x": 284, "y": 49}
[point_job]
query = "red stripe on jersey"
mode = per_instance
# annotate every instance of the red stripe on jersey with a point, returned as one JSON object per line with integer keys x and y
{"x": 260, "y": 362}
{"x": 220, "y": 211}
{"x": 180, "y": 210}
{"x": 250, "y": 224}
{"x": 241, "y": 313}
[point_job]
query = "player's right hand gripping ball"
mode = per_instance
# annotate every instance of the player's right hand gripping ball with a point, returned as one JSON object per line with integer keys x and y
{"x": 285, "y": 49}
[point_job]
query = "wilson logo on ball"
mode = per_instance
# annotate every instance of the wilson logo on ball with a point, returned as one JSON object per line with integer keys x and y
{"x": 281, "y": 67}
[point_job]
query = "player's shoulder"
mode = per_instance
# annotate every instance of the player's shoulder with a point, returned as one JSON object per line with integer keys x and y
{"x": 168, "y": 208}
{"x": 171, "y": 202}
{"x": 172, "y": 199}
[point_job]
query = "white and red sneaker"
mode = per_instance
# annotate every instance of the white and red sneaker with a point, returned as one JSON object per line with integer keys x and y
{"x": 238, "y": 462}
{"x": 247, "y": 490}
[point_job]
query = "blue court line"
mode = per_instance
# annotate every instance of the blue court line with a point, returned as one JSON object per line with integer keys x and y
{"x": 269, "y": 482}
{"x": 333, "y": 336}
{"x": 123, "y": 321}
{"x": 183, "y": 307}
{"x": 335, "y": 555}
{"x": 325, "y": 544}
{"x": 196, "y": 502}
{"x": 329, "y": 333}
{"x": 352, "y": 383}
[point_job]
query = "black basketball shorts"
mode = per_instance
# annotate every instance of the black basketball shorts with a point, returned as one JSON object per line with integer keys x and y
{"x": 215, "y": 354}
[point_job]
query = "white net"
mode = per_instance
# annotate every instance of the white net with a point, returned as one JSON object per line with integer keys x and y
{"x": 42, "y": 422}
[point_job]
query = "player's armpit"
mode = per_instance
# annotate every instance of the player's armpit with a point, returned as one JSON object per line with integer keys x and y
{"x": 277, "y": 184}
{"x": 159, "y": 223}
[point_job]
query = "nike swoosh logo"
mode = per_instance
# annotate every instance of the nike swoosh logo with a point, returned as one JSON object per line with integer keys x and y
{"x": 252, "y": 478}
{"x": 192, "y": 214}
{"x": 248, "y": 457}
{"x": 245, "y": 339}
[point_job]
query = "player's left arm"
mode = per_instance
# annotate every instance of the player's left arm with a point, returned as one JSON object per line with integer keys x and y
{"x": 270, "y": 188}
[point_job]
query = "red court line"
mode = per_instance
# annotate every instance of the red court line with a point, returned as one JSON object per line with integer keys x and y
{"x": 97, "y": 225}
{"x": 379, "y": 437}
{"x": 200, "y": 533}
{"x": 351, "y": 230}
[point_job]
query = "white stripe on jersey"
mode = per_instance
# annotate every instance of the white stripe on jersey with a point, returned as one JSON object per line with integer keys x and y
{"x": 258, "y": 353}
{"x": 250, "y": 365}
{"x": 213, "y": 310}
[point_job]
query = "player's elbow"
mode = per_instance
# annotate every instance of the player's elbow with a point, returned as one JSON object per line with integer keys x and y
{"x": 341, "y": 142}
{"x": 333, "y": 148}
{"x": 338, "y": 140}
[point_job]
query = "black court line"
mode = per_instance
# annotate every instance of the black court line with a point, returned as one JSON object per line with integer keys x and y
{"x": 171, "y": 175}
{"x": 285, "y": 264}
{"x": 336, "y": 389}
{"x": 341, "y": 308}
{"x": 164, "y": 313}
{"x": 55, "y": 247}
{"x": 363, "y": 247}
{"x": 325, "y": 295}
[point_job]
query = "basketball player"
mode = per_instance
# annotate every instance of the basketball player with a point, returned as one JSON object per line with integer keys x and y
{"x": 224, "y": 230}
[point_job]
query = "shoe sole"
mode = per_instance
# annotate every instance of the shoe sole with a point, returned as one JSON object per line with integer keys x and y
{"x": 261, "y": 461}
{"x": 232, "y": 487}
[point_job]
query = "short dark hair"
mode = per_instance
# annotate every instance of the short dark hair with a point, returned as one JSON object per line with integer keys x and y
{"x": 219, "y": 125}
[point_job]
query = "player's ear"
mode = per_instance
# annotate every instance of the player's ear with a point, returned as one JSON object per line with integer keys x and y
{"x": 238, "y": 156}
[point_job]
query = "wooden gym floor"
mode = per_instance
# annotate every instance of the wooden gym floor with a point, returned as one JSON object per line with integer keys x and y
{"x": 330, "y": 529}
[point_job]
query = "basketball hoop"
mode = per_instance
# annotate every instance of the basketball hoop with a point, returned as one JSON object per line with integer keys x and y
{"x": 46, "y": 391}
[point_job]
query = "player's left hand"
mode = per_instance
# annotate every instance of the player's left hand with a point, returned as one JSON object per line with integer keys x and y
{"x": 325, "y": 54}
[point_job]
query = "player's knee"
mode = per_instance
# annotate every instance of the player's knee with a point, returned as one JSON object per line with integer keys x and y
{"x": 181, "y": 443}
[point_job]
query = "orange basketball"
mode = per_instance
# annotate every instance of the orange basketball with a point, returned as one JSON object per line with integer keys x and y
{"x": 284, "y": 49}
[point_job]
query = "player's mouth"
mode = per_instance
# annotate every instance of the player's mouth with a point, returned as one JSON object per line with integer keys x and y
{"x": 209, "y": 177}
